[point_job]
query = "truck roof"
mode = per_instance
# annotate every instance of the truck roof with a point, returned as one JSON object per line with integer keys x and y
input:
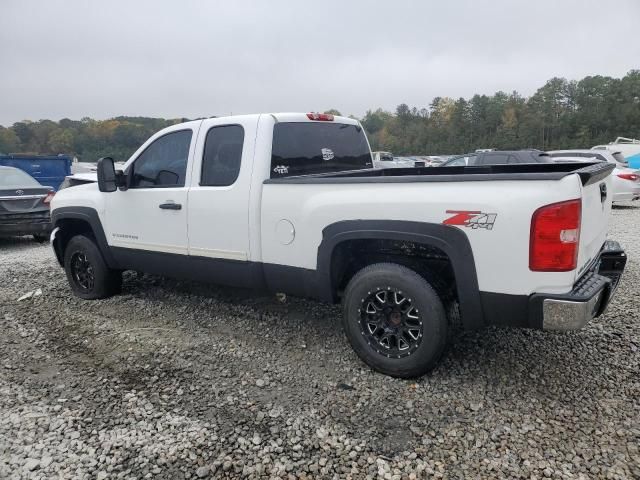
{"x": 281, "y": 117}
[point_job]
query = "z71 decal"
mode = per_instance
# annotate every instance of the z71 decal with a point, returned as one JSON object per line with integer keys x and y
{"x": 471, "y": 218}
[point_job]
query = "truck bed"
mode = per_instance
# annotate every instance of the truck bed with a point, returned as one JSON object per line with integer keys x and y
{"x": 588, "y": 173}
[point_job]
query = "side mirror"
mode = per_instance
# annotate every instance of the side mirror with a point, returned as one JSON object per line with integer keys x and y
{"x": 107, "y": 175}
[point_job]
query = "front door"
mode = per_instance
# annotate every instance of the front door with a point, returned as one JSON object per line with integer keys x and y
{"x": 151, "y": 215}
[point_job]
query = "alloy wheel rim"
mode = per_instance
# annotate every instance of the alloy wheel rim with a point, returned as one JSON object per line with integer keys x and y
{"x": 82, "y": 271}
{"x": 390, "y": 322}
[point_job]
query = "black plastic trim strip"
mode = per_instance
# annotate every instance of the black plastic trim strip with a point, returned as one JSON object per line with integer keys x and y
{"x": 589, "y": 173}
{"x": 234, "y": 273}
{"x": 294, "y": 280}
{"x": 595, "y": 172}
{"x": 509, "y": 310}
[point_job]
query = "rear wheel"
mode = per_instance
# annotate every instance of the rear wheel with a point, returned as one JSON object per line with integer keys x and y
{"x": 88, "y": 274}
{"x": 395, "y": 320}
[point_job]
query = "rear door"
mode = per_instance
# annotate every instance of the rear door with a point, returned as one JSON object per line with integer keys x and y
{"x": 218, "y": 213}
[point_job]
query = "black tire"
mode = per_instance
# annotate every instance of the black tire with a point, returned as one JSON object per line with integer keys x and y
{"x": 87, "y": 272}
{"x": 41, "y": 238}
{"x": 385, "y": 340}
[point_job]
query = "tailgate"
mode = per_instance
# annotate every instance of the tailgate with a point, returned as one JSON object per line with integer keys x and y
{"x": 597, "y": 194}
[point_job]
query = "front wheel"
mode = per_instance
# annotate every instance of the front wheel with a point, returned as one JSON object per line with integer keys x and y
{"x": 88, "y": 274}
{"x": 41, "y": 238}
{"x": 394, "y": 320}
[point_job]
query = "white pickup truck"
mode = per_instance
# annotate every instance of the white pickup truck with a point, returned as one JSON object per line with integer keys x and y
{"x": 289, "y": 202}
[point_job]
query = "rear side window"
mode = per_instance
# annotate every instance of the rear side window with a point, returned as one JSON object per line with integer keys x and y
{"x": 302, "y": 148}
{"x": 164, "y": 162}
{"x": 222, "y": 155}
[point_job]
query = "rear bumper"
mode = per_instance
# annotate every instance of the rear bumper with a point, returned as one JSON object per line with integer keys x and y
{"x": 590, "y": 295}
{"x": 588, "y": 298}
{"x": 25, "y": 223}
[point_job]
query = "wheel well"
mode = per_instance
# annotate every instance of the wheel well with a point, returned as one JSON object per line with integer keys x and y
{"x": 69, "y": 228}
{"x": 430, "y": 262}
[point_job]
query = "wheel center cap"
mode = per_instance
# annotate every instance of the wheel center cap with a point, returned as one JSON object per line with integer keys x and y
{"x": 395, "y": 318}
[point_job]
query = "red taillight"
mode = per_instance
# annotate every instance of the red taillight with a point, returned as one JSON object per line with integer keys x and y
{"x": 555, "y": 233}
{"x": 320, "y": 117}
{"x": 629, "y": 176}
{"x": 48, "y": 198}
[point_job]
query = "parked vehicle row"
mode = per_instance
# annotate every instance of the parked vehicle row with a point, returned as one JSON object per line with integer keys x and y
{"x": 502, "y": 157}
{"x": 625, "y": 181}
{"x": 388, "y": 160}
{"x": 289, "y": 203}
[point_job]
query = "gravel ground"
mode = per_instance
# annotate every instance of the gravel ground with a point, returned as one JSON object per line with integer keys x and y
{"x": 180, "y": 380}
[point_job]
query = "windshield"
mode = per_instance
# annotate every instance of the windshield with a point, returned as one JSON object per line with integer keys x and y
{"x": 15, "y": 178}
{"x": 301, "y": 148}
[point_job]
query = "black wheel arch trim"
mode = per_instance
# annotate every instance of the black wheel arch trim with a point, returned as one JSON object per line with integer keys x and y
{"x": 91, "y": 217}
{"x": 452, "y": 241}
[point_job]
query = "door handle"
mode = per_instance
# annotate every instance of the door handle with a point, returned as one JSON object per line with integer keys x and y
{"x": 170, "y": 206}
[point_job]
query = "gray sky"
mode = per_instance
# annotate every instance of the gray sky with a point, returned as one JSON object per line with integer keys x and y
{"x": 100, "y": 59}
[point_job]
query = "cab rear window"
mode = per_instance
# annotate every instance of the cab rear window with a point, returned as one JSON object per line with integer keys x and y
{"x": 302, "y": 148}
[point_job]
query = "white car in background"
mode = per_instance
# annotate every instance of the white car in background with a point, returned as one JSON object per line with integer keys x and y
{"x": 387, "y": 160}
{"x": 612, "y": 156}
{"x": 625, "y": 181}
{"x": 628, "y": 147}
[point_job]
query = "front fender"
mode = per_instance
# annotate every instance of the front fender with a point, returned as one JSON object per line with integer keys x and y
{"x": 67, "y": 221}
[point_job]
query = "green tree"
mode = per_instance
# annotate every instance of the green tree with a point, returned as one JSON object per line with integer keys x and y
{"x": 60, "y": 141}
{"x": 9, "y": 141}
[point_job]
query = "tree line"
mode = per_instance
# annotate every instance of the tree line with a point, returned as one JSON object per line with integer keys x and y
{"x": 560, "y": 114}
{"x": 86, "y": 139}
